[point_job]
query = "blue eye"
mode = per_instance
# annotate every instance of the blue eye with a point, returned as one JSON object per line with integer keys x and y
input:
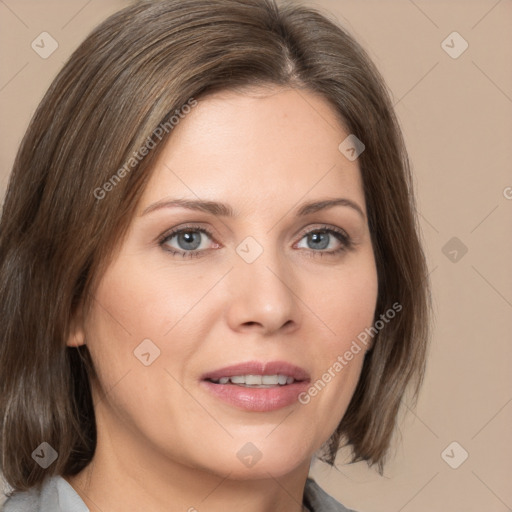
{"x": 189, "y": 240}
{"x": 192, "y": 241}
{"x": 320, "y": 239}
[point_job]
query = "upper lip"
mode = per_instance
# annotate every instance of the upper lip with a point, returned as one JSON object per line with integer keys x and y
{"x": 259, "y": 368}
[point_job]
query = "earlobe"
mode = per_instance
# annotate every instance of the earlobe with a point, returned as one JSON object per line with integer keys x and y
{"x": 76, "y": 336}
{"x": 369, "y": 346}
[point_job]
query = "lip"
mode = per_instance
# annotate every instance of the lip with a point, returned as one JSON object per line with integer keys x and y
{"x": 257, "y": 399}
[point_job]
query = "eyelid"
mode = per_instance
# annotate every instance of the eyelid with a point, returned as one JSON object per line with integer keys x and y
{"x": 323, "y": 227}
{"x": 176, "y": 229}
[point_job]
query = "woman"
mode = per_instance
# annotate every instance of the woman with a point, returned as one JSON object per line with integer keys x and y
{"x": 210, "y": 266}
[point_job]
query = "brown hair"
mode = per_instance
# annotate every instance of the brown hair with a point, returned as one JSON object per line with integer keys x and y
{"x": 130, "y": 75}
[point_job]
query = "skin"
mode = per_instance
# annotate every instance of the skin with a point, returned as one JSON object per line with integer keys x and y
{"x": 164, "y": 442}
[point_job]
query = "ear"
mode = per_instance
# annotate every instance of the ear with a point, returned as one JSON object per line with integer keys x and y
{"x": 370, "y": 344}
{"x": 76, "y": 335}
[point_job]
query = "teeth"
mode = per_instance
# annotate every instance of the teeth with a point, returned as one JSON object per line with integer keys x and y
{"x": 253, "y": 380}
{"x": 256, "y": 380}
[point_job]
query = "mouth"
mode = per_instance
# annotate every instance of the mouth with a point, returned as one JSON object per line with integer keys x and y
{"x": 257, "y": 386}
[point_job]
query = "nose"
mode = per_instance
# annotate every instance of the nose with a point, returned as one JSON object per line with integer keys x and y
{"x": 264, "y": 297}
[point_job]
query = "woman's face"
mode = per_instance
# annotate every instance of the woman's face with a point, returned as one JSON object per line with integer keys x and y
{"x": 269, "y": 288}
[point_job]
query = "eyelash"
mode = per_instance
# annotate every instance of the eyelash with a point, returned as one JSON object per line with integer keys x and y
{"x": 340, "y": 235}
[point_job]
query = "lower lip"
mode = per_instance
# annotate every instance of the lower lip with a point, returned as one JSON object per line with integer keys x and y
{"x": 257, "y": 399}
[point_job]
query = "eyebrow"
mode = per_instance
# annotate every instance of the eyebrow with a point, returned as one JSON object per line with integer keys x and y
{"x": 224, "y": 210}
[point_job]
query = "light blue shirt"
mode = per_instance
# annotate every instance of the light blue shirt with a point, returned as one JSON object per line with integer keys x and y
{"x": 56, "y": 495}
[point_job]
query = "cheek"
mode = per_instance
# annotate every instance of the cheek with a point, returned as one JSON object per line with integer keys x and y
{"x": 346, "y": 308}
{"x": 124, "y": 316}
{"x": 346, "y": 302}
{"x": 135, "y": 301}
{"x": 140, "y": 309}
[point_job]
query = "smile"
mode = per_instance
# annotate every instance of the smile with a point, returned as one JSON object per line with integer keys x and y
{"x": 257, "y": 386}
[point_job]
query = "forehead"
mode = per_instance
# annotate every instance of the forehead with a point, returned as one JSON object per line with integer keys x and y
{"x": 262, "y": 142}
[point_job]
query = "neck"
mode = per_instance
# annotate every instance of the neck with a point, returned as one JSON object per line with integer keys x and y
{"x": 125, "y": 475}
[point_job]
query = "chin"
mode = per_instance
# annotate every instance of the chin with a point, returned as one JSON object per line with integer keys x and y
{"x": 246, "y": 460}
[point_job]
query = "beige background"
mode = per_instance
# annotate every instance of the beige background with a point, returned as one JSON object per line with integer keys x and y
{"x": 457, "y": 119}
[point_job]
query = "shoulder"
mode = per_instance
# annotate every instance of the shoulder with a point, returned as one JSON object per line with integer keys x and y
{"x": 55, "y": 495}
{"x": 317, "y": 500}
{"x": 26, "y": 501}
